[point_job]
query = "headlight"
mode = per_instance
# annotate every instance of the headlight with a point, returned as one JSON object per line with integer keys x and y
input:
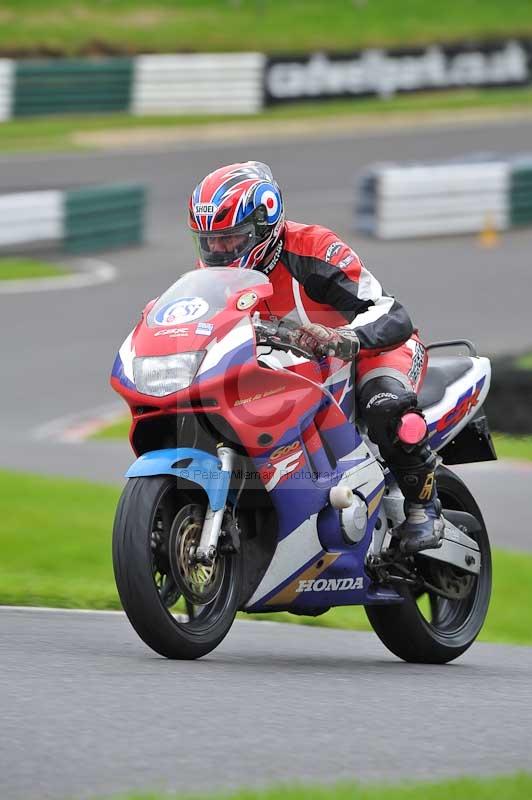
{"x": 162, "y": 375}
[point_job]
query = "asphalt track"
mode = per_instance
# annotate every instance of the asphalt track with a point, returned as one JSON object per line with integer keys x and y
{"x": 88, "y": 711}
{"x": 86, "y": 708}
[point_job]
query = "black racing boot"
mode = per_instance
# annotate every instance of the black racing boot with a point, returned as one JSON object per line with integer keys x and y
{"x": 423, "y": 527}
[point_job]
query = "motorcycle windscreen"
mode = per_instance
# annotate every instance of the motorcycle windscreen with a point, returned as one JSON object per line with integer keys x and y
{"x": 200, "y": 295}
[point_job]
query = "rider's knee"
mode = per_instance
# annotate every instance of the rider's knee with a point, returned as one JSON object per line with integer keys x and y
{"x": 383, "y": 401}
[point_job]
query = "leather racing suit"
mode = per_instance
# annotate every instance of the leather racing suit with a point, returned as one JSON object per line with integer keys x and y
{"x": 317, "y": 278}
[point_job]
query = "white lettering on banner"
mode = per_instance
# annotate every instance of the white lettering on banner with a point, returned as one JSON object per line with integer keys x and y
{"x": 377, "y": 72}
{"x": 330, "y": 585}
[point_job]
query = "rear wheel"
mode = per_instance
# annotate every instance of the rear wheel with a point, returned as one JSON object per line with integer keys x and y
{"x": 180, "y": 609}
{"x": 428, "y": 628}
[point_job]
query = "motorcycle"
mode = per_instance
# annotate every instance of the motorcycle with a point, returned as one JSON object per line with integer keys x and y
{"x": 256, "y": 488}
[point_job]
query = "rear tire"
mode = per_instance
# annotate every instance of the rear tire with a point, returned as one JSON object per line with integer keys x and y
{"x": 452, "y": 625}
{"x": 147, "y": 510}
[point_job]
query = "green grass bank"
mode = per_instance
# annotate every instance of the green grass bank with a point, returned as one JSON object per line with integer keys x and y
{"x": 55, "y": 539}
{"x": 130, "y": 26}
{"x": 509, "y": 787}
{"x": 12, "y": 269}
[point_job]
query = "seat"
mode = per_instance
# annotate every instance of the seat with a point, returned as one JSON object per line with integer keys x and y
{"x": 441, "y": 372}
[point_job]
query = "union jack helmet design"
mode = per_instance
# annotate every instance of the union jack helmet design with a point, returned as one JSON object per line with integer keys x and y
{"x": 236, "y": 216}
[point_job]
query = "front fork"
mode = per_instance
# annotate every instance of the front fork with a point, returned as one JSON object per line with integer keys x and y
{"x": 212, "y": 525}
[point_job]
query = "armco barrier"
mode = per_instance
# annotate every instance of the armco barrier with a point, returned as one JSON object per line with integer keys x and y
{"x": 30, "y": 217}
{"x": 72, "y": 85}
{"x": 76, "y": 221}
{"x": 7, "y": 69}
{"x": 227, "y": 83}
{"x": 103, "y": 217}
{"x": 396, "y": 201}
{"x": 521, "y": 192}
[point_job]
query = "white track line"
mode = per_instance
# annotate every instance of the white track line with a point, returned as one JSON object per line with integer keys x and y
{"x": 94, "y": 272}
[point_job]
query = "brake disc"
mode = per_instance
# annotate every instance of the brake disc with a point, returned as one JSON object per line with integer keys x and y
{"x": 199, "y": 583}
{"x": 452, "y": 581}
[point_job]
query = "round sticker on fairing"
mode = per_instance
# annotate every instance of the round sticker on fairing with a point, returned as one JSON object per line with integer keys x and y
{"x": 186, "y": 309}
{"x": 245, "y": 301}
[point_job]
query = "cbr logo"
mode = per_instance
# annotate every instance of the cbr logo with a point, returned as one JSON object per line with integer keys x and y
{"x": 468, "y": 401}
{"x": 330, "y": 585}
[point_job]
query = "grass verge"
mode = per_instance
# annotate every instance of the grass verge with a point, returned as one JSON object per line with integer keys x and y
{"x": 25, "y": 268}
{"x": 509, "y": 787}
{"x": 524, "y": 361}
{"x": 129, "y": 26}
{"x": 517, "y": 447}
{"x": 55, "y": 539}
{"x": 67, "y": 132}
{"x": 115, "y": 430}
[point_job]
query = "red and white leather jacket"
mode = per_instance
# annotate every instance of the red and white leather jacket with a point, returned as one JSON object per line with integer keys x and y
{"x": 318, "y": 278}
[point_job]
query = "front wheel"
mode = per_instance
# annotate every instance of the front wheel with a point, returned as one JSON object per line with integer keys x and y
{"x": 180, "y": 610}
{"x": 427, "y": 628}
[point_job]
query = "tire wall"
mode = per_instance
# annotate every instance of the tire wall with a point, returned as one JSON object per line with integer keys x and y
{"x": 80, "y": 220}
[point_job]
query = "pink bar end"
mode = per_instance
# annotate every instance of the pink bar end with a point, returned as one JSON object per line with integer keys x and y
{"x": 412, "y": 429}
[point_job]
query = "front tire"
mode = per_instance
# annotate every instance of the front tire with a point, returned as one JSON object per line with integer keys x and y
{"x": 447, "y": 628}
{"x": 145, "y": 548}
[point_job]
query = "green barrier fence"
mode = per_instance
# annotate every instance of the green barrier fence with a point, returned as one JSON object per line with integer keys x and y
{"x": 72, "y": 86}
{"x": 521, "y": 193}
{"x": 103, "y": 217}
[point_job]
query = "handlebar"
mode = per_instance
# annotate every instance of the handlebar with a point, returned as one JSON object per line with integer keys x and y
{"x": 282, "y": 335}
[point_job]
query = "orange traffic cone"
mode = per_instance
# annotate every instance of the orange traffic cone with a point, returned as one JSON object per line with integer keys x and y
{"x": 488, "y": 236}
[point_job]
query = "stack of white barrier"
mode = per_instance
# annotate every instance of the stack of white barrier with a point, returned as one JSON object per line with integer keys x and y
{"x": 7, "y": 71}
{"x": 31, "y": 218}
{"x": 395, "y": 201}
{"x": 226, "y": 83}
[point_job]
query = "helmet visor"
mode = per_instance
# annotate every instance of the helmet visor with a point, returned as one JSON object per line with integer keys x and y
{"x": 221, "y": 248}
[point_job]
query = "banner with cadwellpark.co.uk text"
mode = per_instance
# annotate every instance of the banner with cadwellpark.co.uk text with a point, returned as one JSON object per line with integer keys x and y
{"x": 385, "y": 73}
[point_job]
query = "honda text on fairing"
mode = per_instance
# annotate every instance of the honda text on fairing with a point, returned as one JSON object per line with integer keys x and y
{"x": 256, "y": 490}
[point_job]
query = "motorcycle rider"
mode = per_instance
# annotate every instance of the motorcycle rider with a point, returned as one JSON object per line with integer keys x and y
{"x": 237, "y": 218}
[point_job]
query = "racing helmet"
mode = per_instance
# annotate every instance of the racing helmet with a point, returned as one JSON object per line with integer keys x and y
{"x": 236, "y": 216}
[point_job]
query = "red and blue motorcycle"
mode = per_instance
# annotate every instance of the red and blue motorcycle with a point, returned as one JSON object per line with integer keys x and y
{"x": 255, "y": 489}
